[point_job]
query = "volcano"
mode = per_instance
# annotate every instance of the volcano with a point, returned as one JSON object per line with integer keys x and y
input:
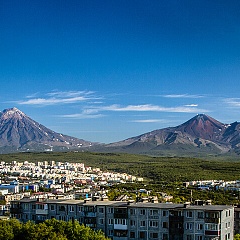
{"x": 18, "y": 132}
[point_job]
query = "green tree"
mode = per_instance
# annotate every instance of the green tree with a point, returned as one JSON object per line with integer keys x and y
{"x": 6, "y": 231}
{"x": 237, "y": 237}
{"x": 48, "y": 230}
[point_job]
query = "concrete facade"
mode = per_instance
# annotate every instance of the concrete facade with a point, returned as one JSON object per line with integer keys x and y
{"x": 127, "y": 220}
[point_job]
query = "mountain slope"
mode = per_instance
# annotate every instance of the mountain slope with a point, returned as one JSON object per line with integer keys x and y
{"x": 18, "y": 132}
{"x": 200, "y": 134}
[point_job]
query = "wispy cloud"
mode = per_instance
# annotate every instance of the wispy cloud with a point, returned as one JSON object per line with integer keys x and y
{"x": 58, "y": 97}
{"x": 232, "y": 102}
{"x": 182, "y": 96}
{"x": 149, "y": 121}
{"x": 63, "y": 94}
{"x": 95, "y": 111}
{"x": 152, "y": 108}
{"x": 191, "y": 105}
{"x": 83, "y": 116}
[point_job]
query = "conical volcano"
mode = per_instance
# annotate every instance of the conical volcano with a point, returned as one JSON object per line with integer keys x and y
{"x": 20, "y": 133}
{"x": 203, "y": 126}
{"x": 200, "y": 133}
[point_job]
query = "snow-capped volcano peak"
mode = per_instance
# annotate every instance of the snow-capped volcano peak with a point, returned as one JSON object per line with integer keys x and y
{"x": 12, "y": 112}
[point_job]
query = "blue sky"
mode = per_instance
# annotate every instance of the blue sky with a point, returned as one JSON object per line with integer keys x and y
{"x": 108, "y": 70}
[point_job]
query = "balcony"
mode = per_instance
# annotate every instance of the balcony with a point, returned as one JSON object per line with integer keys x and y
{"x": 90, "y": 214}
{"x": 119, "y": 238}
{"x": 15, "y": 210}
{"x": 120, "y": 227}
{"x": 212, "y": 233}
{"x": 173, "y": 218}
{"x": 91, "y": 225}
{"x": 212, "y": 220}
{"x": 41, "y": 211}
{"x": 120, "y": 215}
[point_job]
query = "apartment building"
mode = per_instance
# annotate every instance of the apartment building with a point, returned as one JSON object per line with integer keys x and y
{"x": 131, "y": 220}
{"x": 237, "y": 220}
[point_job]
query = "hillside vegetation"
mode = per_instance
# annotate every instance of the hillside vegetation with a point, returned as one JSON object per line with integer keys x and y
{"x": 154, "y": 169}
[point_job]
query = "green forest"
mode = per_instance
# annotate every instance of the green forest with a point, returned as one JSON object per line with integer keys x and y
{"x": 153, "y": 169}
{"x": 49, "y": 230}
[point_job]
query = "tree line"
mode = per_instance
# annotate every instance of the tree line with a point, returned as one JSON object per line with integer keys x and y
{"x": 48, "y": 230}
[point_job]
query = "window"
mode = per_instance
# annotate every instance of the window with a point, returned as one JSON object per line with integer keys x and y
{"x": 153, "y": 224}
{"x": 189, "y": 214}
{"x": 62, "y": 209}
{"x": 142, "y": 223}
{"x": 142, "y": 212}
{"x": 110, "y": 210}
{"x": 52, "y": 207}
{"x": 199, "y": 226}
{"x": 89, "y": 209}
{"x": 25, "y": 206}
{"x": 153, "y": 212}
{"x": 132, "y": 223}
{"x": 80, "y": 209}
{"x": 200, "y": 214}
{"x": 63, "y": 218}
{"x": 165, "y": 236}
{"x": 189, "y": 237}
{"x": 101, "y": 210}
{"x": 120, "y": 221}
{"x": 165, "y": 224}
{"x": 165, "y": 213}
{"x": 211, "y": 226}
{"x": 132, "y": 234}
{"x": 199, "y": 237}
{"x": 212, "y": 214}
{"x": 188, "y": 226}
{"x": 101, "y": 221}
{"x": 110, "y": 232}
{"x": 132, "y": 211}
{"x": 110, "y": 221}
{"x": 142, "y": 234}
{"x": 153, "y": 235}
{"x": 71, "y": 208}
{"x": 227, "y": 236}
{"x": 40, "y": 206}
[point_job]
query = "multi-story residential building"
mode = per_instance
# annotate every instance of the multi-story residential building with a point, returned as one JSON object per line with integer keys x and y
{"x": 237, "y": 220}
{"x": 130, "y": 220}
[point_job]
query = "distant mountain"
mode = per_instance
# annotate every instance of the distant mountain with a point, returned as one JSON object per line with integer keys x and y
{"x": 18, "y": 132}
{"x": 200, "y": 135}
